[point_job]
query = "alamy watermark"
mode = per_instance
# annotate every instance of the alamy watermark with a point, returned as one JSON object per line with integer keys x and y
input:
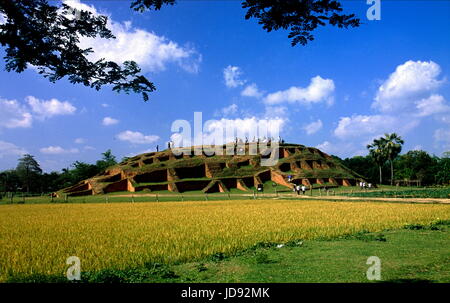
{"x": 374, "y": 11}
{"x": 227, "y": 137}
{"x": 74, "y": 271}
{"x": 374, "y": 271}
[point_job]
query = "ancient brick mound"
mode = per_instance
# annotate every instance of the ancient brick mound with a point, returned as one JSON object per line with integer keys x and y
{"x": 206, "y": 170}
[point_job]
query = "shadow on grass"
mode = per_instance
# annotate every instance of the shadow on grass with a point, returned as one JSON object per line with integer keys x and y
{"x": 421, "y": 281}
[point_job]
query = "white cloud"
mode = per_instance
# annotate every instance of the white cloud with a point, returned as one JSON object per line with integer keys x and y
{"x": 231, "y": 76}
{"x": 53, "y": 107}
{"x": 319, "y": 90}
{"x": 87, "y": 147}
{"x": 442, "y": 136}
{"x": 435, "y": 104}
{"x": 276, "y": 112}
{"x": 10, "y": 149}
{"x": 2, "y": 19}
{"x": 58, "y": 150}
{"x": 313, "y": 127}
{"x": 150, "y": 51}
{"x": 406, "y": 84}
{"x": 14, "y": 115}
{"x": 137, "y": 137}
{"x": 363, "y": 126}
{"x": 80, "y": 140}
{"x": 359, "y": 125}
{"x": 331, "y": 148}
{"x": 230, "y": 110}
{"x": 145, "y": 151}
{"x": 107, "y": 121}
{"x": 227, "y": 111}
{"x": 105, "y": 105}
{"x": 252, "y": 91}
{"x": 444, "y": 119}
{"x": 342, "y": 149}
{"x": 402, "y": 101}
{"x": 226, "y": 130}
{"x": 325, "y": 146}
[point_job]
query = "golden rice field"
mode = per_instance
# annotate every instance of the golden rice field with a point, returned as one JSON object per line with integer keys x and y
{"x": 39, "y": 238}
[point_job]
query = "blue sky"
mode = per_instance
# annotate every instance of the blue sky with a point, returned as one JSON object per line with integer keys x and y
{"x": 337, "y": 93}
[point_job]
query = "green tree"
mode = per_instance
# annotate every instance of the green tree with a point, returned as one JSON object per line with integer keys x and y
{"x": 378, "y": 154}
{"x": 392, "y": 146}
{"x": 47, "y": 37}
{"x": 65, "y": 179}
{"x": 443, "y": 171}
{"x": 83, "y": 171}
{"x": 28, "y": 170}
{"x": 301, "y": 17}
{"x": 361, "y": 165}
{"x": 107, "y": 160}
{"x": 417, "y": 165}
{"x": 49, "y": 182}
{"x": 9, "y": 181}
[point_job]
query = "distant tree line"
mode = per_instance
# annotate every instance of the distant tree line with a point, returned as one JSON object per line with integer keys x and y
{"x": 384, "y": 159}
{"x": 429, "y": 169}
{"x": 414, "y": 165}
{"x": 28, "y": 177}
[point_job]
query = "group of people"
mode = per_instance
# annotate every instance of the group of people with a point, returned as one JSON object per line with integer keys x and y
{"x": 260, "y": 140}
{"x": 364, "y": 185}
{"x": 266, "y": 140}
{"x": 299, "y": 188}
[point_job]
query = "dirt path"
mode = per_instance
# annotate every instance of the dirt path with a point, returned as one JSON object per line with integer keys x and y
{"x": 409, "y": 200}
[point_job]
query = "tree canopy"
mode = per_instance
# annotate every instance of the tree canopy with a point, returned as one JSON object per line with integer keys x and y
{"x": 107, "y": 160}
{"x": 28, "y": 176}
{"x": 27, "y": 170}
{"x": 392, "y": 145}
{"x": 300, "y": 17}
{"x": 417, "y": 165}
{"x": 443, "y": 173}
{"x": 47, "y": 37}
{"x": 378, "y": 154}
{"x": 384, "y": 149}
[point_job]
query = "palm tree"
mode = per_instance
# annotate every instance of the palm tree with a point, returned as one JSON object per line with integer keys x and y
{"x": 376, "y": 151}
{"x": 392, "y": 146}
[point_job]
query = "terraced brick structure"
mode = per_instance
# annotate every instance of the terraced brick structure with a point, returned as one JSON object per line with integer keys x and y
{"x": 219, "y": 169}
